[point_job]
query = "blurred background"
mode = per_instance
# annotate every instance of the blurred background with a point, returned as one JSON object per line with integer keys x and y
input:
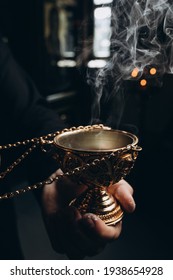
{"x": 58, "y": 42}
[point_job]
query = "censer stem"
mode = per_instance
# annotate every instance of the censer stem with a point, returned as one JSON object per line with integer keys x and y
{"x": 98, "y": 201}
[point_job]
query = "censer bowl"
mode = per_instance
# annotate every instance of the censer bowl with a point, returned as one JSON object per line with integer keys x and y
{"x": 106, "y": 156}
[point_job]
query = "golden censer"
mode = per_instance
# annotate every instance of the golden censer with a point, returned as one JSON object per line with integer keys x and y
{"x": 107, "y": 156}
{"x": 96, "y": 156}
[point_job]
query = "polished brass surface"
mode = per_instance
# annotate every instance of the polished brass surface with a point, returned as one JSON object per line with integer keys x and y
{"x": 108, "y": 155}
{"x": 98, "y": 201}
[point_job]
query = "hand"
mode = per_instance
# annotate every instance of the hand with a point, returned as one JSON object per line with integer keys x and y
{"x": 73, "y": 234}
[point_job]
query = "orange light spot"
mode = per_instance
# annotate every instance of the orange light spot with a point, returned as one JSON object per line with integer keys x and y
{"x": 153, "y": 71}
{"x": 135, "y": 72}
{"x": 143, "y": 82}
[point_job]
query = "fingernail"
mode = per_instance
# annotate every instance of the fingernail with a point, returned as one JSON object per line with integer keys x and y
{"x": 89, "y": 220}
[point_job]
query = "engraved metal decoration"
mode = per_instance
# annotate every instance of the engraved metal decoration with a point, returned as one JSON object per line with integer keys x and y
{"x": 108, "y": 155}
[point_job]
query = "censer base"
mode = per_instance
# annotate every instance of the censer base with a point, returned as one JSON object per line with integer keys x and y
{"x": 101, "y": 203}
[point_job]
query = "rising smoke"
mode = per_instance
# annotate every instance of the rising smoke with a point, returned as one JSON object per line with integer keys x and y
{"x": 142, "y": 35}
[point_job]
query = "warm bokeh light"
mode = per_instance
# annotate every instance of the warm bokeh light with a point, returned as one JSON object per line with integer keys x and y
{"x": 143, "y": 83}
{"x": 153, "y": 71}
{"x": 135, "y": 72}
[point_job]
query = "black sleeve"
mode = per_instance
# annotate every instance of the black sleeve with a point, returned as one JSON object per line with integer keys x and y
{"x": 24, "y": 113}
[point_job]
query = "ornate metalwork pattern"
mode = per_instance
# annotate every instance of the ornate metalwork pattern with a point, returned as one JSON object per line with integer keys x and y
{"x": 102, "y": 167}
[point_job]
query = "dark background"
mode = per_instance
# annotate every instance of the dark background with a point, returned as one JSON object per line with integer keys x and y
{"x": 148, "y": 112}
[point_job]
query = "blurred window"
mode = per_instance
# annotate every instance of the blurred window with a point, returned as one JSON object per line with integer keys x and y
{"x": 102, "y": 29}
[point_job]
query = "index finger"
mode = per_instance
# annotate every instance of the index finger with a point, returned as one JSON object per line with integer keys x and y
{"x": 123, "y": 192}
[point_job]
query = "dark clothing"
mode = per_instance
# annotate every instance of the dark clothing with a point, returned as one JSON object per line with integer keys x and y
{"x": 23, "y": 114}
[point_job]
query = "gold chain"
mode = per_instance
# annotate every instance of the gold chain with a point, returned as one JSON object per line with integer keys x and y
{"x": 43, "y": 140}
{"x": 47, "y": 139}
{"x": 15, "y": 163}
{"x": 75, "y": 171}
{"x": 35, "y": 141}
